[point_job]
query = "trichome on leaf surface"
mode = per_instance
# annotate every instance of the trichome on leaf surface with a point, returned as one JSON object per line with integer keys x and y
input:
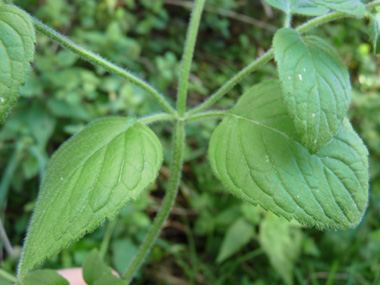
{"x": 287, "y": 145}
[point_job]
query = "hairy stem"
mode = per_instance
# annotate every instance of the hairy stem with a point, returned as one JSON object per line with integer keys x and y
{"x": 175, "y": 176}
{"x": 188, "y": 53}
{"x": 98, "y": 60}
{"x": 222, "y": 91}
{"x": 156, "y": 118}
{"x": 233, "y": 81}
{"x": 206, "y": 115}
{"x": 288, "y": 20}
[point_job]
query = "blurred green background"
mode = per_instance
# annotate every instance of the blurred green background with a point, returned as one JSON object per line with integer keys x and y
{"x": 211, "y": 237}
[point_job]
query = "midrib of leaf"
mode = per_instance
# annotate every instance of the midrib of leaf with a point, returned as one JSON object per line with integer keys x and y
{"x": 265, "y": 126}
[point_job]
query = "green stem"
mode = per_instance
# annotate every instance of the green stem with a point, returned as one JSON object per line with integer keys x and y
{"x": 287, "y": 20}
{"x": 188, "y": 55}
{"x": 232, "y": 82}
{"x": 315, "y": 22}
{"x": 98, "y": 60}
{"x": 107, "y": 238}
{"x": 206, "y": 115}
{"x": 8, "y": 276}
{"x": 156, "y": 117}
{"x": 8, "y": 174}
{"x": 175, "y": 176}
{"x": 222, "y": 91}
{"x": 373, "y": 4}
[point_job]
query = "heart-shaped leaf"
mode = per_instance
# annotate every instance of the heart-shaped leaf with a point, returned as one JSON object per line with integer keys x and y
{"x": 91, "y": 177}
{"x": 353, "y": 7}
{"x": 316, "y": 86}
{"x": 17, "y": 39}
{"x": 258, "y": 155}
{"x": 303, "y": 7}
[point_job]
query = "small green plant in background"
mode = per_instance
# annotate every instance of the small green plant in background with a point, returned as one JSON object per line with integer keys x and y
{"x": 286, "y": 145}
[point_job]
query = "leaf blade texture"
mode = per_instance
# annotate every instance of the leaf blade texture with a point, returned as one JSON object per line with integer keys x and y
{"x": 353, "y": 7}
{"x": 91, "y": 177}
{"x": 258, "y": 155}
{"x": 16, "y": 53}
{"x": 303, "y": 7}
{"x": 316, "y": 86}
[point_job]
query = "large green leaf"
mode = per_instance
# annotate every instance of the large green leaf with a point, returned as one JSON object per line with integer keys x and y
{"x": 90, "y": 178}
{"x": 258, "y": 155}
{"x": 281, "y": 242}
{"x": 353, "y": 7}
{"x": 374, "y": 31}
{"x": 17, "y": 39}
{"x": 316, "y": 86}
{"x": 303, "y": 7}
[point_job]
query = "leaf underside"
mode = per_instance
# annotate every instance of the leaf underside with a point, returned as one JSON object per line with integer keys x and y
{"x": 353, "y": 7}
{"x": 91, "y": 177}
{"x": 316, "y": 86}
{"x": 258, "y": 155}
{"x": 303, "y": 7}
{"x": 17, "y": 38}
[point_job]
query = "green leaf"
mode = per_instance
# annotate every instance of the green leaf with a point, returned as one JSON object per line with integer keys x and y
{"x": 258, "y": 155}
{"x": 123, "y": 253}
{"x": 316, "y": 86}
{"x": 353, "y": 7}
{"x": 303, "y": 7}
{"x": 96, "y": 272}
{"x": 374, "y": 32}
{"x": 16, "y": 52}
{"x": 44, "y": 277}
{"x": 237, "y": 236}
{"x": 91, "y": 177}
{"x": 282, "y": 242}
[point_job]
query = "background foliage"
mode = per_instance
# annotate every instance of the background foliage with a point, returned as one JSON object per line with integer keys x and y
{"x": 211, "y": 237}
